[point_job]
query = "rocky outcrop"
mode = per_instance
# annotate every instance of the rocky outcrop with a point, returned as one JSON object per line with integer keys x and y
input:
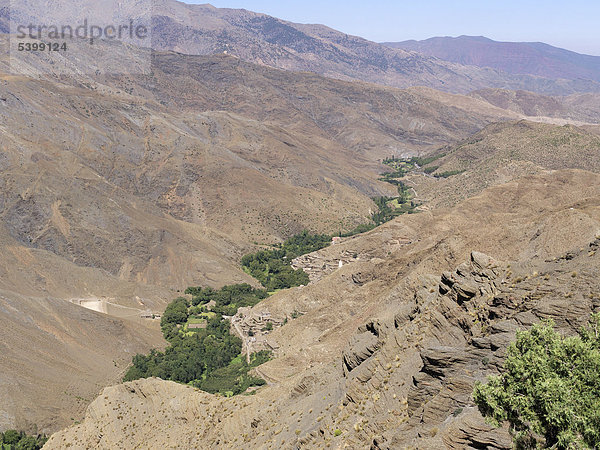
{"x": 471, "y": 432}
{"x": 422, "y": 336}
{"x": 405, "y": 381}
{"x": 122, "y": 416}
{"x": 362, "y": 346}
{"x": 488, "y": 303}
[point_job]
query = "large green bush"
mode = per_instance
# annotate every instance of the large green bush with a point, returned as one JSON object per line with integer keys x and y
{"x": 227, "y": 299}
{"x": 549, "y": 389}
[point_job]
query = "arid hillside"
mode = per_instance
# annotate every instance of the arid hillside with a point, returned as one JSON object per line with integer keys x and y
{"x": 168, "y": 180}
{"x": 431, "y": 314}
{"x": 583, "y": 108}
{"x": 118, "y": 192}
{"x": 500, "y": 153}
{"x": 367, "y": 119}
{"x": 56, "y": 355}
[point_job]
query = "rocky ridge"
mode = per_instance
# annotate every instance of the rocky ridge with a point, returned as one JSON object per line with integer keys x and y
{"x": 405, "y": 378}
{"x": 502, "y": 152}
{"x": 404, "y": 383}
{"x": 122, "y": 190}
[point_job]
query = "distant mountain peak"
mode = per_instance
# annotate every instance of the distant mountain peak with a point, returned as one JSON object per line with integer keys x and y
{"x": 517, "y": 58}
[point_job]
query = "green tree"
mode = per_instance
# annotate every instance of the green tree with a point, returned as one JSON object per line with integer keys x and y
{"x": 273, "y": 267}
{"x": 29, "y": 443}
{"x": 11, "y": 437}
{"x": 208, "y": 358}
{"x": 549, "y": 390}
{"x": 176, "y": 313}
{"x": 15, "y": 440}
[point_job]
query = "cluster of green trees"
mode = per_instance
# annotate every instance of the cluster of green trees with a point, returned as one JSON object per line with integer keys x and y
{"x": 391, "y": 207}
{"x": 549, "y": 389}
{"x": 190, "y": 356}
{"x": 449, "y": 173}
{"x": 227, "y": 299}
{"x": 360, "y": 229}
{"x": 273, "y": 267}
{"x": 207, "y": 358}
{"x": 176, "y": 313}
{"x": 385, "y": 212}
{"x": 422, "y": 161}
{"x": 16, "y": 440}
{"x": 234, "y": 378}
{"x": 402, "y": 166}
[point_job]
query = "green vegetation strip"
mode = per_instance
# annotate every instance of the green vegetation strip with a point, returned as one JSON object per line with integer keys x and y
{"x": 448, "y": 174}
{"x": 273, "y": 267}
{"x": 16, "y": 440}
{"x": 402, "y": 167}
{"x": 202, "y": 351}
{"x": 207, "y": 358}
{"x": 227, "y": 300}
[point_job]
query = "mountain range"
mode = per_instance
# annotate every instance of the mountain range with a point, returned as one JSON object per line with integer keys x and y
{"x": 265, "y": 40}
{"x": 517, "y": 58}
{"x": 259, "y": 38}
{"x": 119, "y": 191}
{"x": 395, "y": 364}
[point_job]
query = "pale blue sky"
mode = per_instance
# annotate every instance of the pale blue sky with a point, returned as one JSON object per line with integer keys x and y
{"x": 574, "y": 25}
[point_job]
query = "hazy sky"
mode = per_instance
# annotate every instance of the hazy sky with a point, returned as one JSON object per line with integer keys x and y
{"x": 574, "y": 25}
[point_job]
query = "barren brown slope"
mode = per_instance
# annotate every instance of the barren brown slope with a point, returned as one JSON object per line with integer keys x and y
{"x": 258, "y": 38}
{"x": 116, "y": 190}
{"x": 164, "y": 196}
{"x": 583, "y": 108}
{"x": 405, "y": 378}
{"x": 365, "y": 118}
{"x": 57, "y": 356}
{"x": 502, "y": 152}
{"x": 123, "y": 188}
{"x": 110, "y": 197}
{"x": 182, "y": 170}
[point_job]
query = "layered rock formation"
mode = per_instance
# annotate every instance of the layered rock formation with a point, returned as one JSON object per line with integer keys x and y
{"x": 423, "y": 333}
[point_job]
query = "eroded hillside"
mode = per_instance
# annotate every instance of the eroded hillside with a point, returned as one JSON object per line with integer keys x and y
{"x": 430, "y": 317}
{"x": 120, "y": 191}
